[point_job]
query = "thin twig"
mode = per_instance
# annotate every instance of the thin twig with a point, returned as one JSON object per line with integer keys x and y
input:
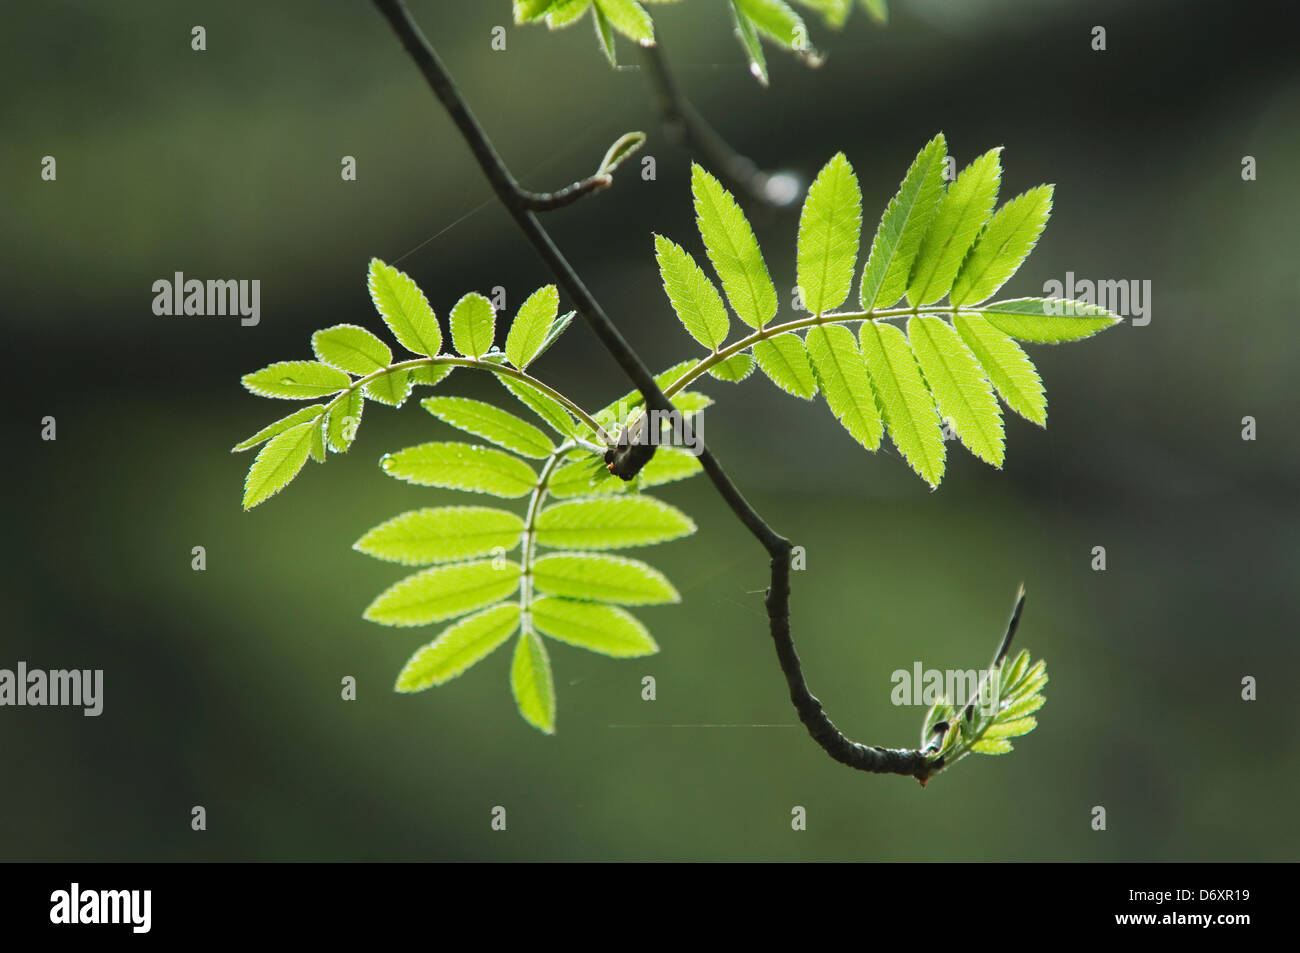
{"x": 909, "y": 762}
{"x": 688, "y": 128}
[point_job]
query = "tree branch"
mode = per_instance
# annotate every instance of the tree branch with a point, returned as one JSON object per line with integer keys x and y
{"x": 631, "y": 458}
{"x": 687, "y": 127}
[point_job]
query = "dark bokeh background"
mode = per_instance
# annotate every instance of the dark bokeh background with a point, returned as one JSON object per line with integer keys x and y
{"x": 222, "y": 687}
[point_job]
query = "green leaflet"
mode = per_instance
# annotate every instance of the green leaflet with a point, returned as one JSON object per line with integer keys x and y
{"x": 785, "y": 360}
{"x": 317, "y": 446}
{"x": 351, "y": 348}
{"x": 405, "y": 310}
{"x": 444, "y": 592}
{"x": 430, "y": 374}
{"x": 296, "y": 380}
{"x": 528, "y": 330}
{"x": 1004, "y": 244}
{"x": 391, "y": 388}
{"x": 835, "y": 12}
{"x": 734, "y": 369}
{"x": 460, "y": 646}
{"x": 345, "y": 418}
{"x": 732, "y": 248}
{"x": 1046, "y": 320}
{"x": 605, "y": 36}
{"x": 543, "y": 405}
{"x": 692, "y": 294}
{"x": 902, "y": 228}
{"x": 668, "y": 465}
{"x": 959, "y": 386}
{"x": 461, "y": 466}
{"x": 611, "y": 523}
{"x": 613, "y": 416}
{"x": 528, "y": 10}
{"x": 829, "y": 229}
{"x": 586, "y": 478}
{"x": 907, "y": 404}
{"x": 473, "y": 325}
{"x": 277, "y": 463}
{"x": 563, "y": 12}
{"x": 1007, "y": 366}
{"x": 775, "y": 20}
{"x": 748, "y": 38}
{"x": 842, "y": 373}
{"x": 491, "y": 423}
{"x": 630, "y": 19}
{"x": 608, "y": 630}
{"x": 603, "y": 578}
{"x": 302, "y": 416}
{"x": 532, "y": 684}
{"x": 957, "y": 221}
{"x": 442, "y": 534}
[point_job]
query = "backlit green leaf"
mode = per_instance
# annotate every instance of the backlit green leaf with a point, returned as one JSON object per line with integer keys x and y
{"x": 544, "y": 406}
{"x": 302, "y": 416}
{"x": 460, "y": 646}
{"x": 391, "y": 388}
{"x": 1005, "y": 242}
{"x": 277, "y": 463}
{"x": 957, "y": 221}
{"x": 785, "y": 360}
{"x": 1007, "y": 366}
{"x": 608, "y": 630}
{"x": 404, "y": 308}
{"x": 491, "y": 423}
{"x": 461, "y": 466}
{"x": 842, "y": 373}
{"x": 296, "y": 380}
{"x": 629, "y": 18}
{"x": 604, "y": 578}
{"x": 473, "y": 325}
{"x": 692, "y": 294}
{"x": 444, "y": 592}
{"x": 902, "y": 227}
{"x": 528, "y": 330}
{"x": 345, "y": 419}
{"x": 1046, "y": 320}
{"x": 532, "y": 684}
{"x": 907, "y": 403}
{"x": 351, "y": 348}
{"x": 611, "y": 523}
{"x": 442, "y": 534}
{"x": 829, "y": 230}
{"x": 734, "y": 369}
{"x": 959, "y": 386}
{"x": 732, "y": 248}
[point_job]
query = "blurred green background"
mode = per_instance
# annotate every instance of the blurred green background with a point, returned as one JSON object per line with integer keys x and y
{"x": 222, "y": 687}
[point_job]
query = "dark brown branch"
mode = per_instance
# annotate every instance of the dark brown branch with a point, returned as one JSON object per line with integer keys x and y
{"x": 545, "y": 201}
{"x": 688, "y": 128}
{"x": 631, "y": 458}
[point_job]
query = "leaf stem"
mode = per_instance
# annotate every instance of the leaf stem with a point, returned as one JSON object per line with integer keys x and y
{"x": 528, "y": 545}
